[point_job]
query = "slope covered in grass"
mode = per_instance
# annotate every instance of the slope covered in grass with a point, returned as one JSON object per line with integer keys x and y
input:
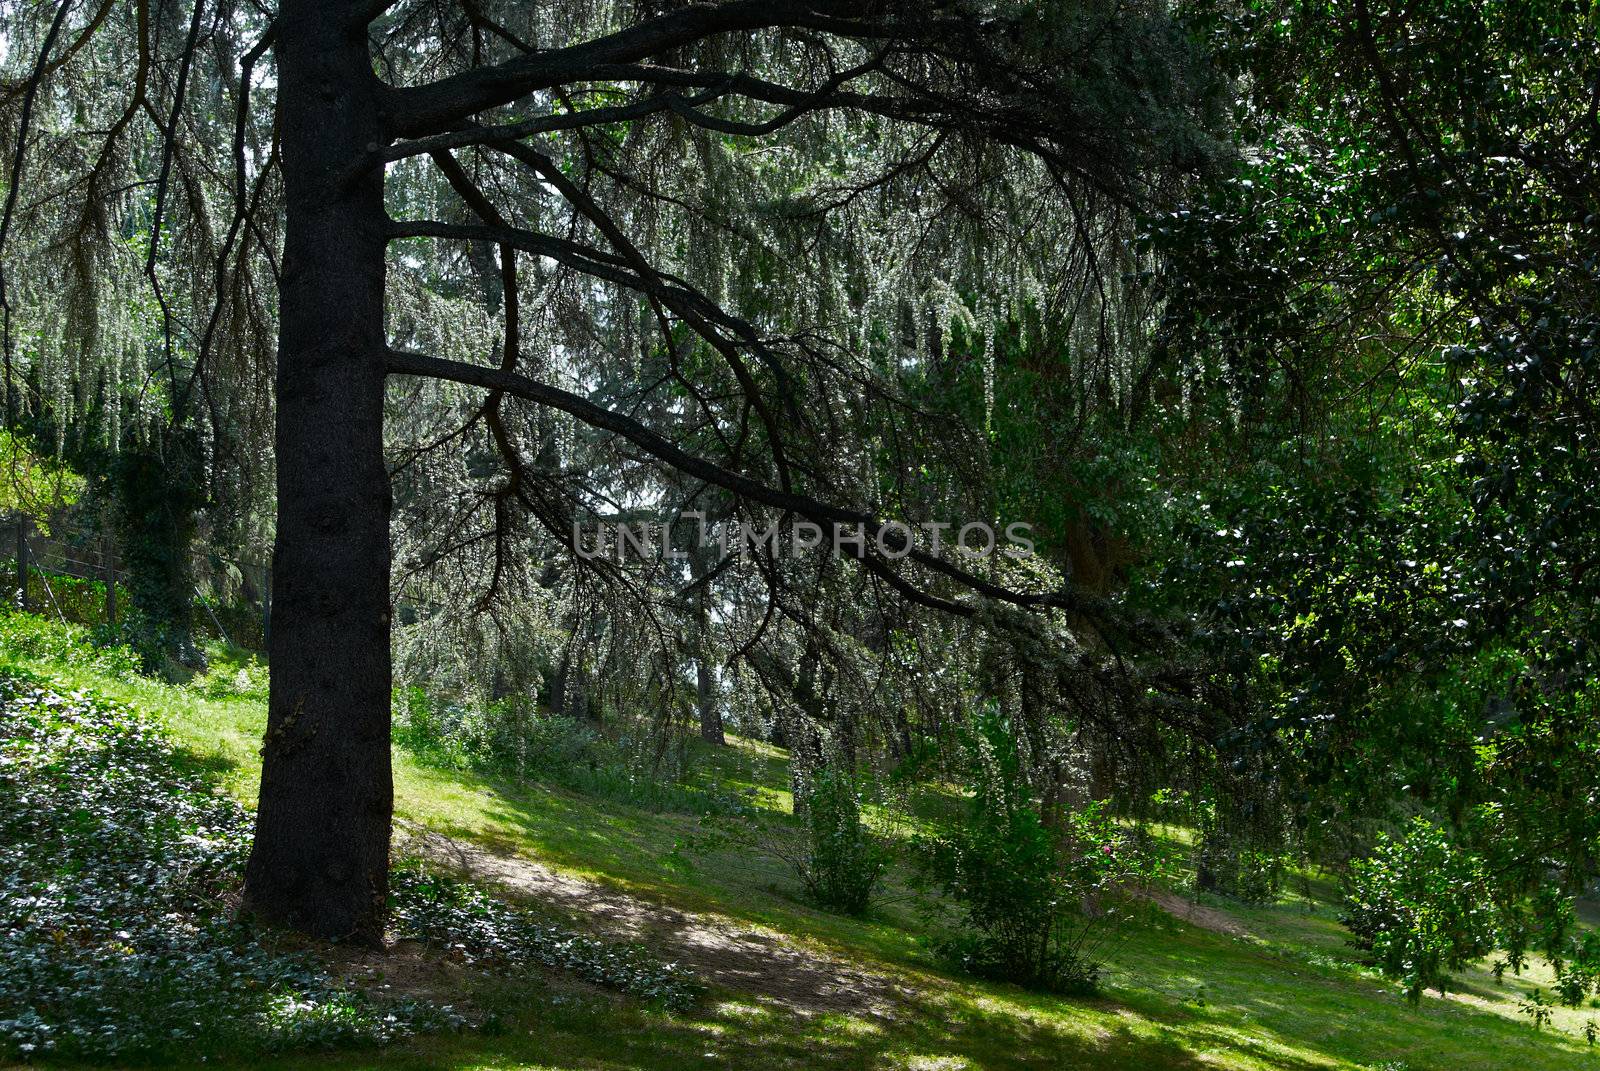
{"x": 120, "y": 865}
{"x": 1277, "y": 991}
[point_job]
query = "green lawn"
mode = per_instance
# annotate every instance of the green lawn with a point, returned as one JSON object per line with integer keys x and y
{"x": 1283, "y": 996}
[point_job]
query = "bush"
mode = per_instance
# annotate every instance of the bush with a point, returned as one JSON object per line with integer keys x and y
{"x": 513, "y": 740}
{"x": 500, "y": 738}
{"x": 80, "y": 601}
{"x": 1421, "y": 907}
{"x": 48, "y": 640}
{"x": 1034, "y": 902}
{"x": 163, "y": 648}
{"x": 1252, "y": 875}
{"x": 842, "y": 863}
{"x": 1243, "y": 834}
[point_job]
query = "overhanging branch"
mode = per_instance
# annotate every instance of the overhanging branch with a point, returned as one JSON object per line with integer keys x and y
{"x": 401, "y": 362}
{"x": 434, "y": 108}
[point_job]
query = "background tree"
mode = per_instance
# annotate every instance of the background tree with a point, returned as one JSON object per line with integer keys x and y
{"x": 1411, "y": 250}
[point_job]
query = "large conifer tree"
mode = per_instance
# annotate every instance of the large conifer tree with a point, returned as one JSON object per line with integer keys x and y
{"x": 731, "y": 237}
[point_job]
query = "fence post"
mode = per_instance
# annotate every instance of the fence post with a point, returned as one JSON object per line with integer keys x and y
{"x": 108, "y": 561}
{"x": 22, "y": 561}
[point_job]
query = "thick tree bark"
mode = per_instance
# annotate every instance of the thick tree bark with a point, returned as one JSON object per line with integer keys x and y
{"x": 321, "y": 854}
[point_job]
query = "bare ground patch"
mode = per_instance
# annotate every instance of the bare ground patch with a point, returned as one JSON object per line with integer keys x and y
{"x": 760, "y": 963}
{"x": 1195, "y": 914}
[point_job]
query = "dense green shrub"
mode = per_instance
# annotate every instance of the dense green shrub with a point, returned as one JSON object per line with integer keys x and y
{"x": 842, "y": 863}
{"x": 1034, "y": 901}
{"x": 1421, "y": 906}
{"x": 154, "y": 641}
{"x": 80, "y": 601}
{"x": 1425, "y": 904}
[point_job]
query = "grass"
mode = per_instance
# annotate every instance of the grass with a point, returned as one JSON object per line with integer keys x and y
{"x": 1285, "y": 997}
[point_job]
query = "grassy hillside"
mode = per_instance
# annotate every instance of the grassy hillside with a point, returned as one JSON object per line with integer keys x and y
{"x": 1228, "y": 986}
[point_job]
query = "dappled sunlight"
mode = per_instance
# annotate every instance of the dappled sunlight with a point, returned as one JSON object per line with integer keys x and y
{"x": 968, "y": 535}
{"x": 1179, "y": 997}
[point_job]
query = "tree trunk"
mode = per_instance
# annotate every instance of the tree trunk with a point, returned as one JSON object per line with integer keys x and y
{"x": 705, "y": 683}
{"x": 706, "y": 698}
{"x": 320, "y": 859}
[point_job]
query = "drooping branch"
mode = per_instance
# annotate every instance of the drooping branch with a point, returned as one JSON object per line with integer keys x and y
{"x": 692, "y": 312}
{"x": 9, "y": 90}
{"x": 40, "y": 67}
{"x": 709, "y": 87}
{"x": 169, "y": 149}
{"x": 512, "y": 490}
{"x": 658, "y": 446}
{"x": 245, "y": 207}
{"x": 627, "y": 269}
{"x": 438, "y": 106}
{"x": 543, "y": 124}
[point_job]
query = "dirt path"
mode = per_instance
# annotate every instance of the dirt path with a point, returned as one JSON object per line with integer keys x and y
{"x": 759, "y": 963}
{"x": 1206, "y": 918}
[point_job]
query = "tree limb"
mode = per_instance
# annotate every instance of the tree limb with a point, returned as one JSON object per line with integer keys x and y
{"x": 790, "y": 502}
{"x": 438, "y": 106}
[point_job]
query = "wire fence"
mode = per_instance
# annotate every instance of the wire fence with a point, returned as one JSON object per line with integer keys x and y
{"x": 232, "y": 597}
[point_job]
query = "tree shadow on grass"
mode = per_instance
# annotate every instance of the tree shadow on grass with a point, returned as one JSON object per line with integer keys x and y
{"x": 212, "y": 766}
{"x": 1240, "y": 988}
{"x": 567, "y": 1033}
{"x": 1273, "y": 1005}
{"x": 839, "y": 1012}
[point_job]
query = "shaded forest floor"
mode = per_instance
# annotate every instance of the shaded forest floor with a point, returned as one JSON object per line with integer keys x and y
{"x": 1208, "y": 984}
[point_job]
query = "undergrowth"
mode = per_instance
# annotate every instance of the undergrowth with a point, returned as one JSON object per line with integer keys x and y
{"x": 116, "y": 871}
{"x": 119, "y": 870}
{"x": 507, "y": 740}
{"x": 32, "y": 636}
